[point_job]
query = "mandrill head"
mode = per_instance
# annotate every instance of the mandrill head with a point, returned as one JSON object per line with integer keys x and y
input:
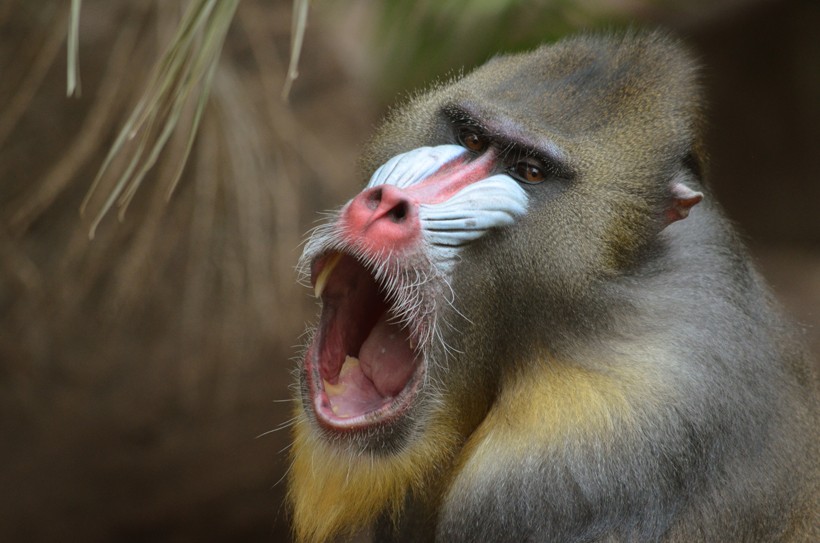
{"x": 497, "y": 207}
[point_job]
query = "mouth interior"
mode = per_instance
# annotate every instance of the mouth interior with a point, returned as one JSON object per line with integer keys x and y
{"x": 365, "y": 358}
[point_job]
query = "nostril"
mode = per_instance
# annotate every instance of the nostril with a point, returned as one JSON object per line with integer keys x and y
{"x": 384, "y": 203}
{"x": 374, "y": 198}
{"x": 384, "y": 215}
{"x": 398, "y": 213}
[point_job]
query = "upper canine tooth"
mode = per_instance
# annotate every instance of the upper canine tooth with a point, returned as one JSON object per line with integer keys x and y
{"x": 321, "y": 279}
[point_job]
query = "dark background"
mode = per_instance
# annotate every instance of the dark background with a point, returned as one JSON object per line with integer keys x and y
{"x": 141, "y": 373}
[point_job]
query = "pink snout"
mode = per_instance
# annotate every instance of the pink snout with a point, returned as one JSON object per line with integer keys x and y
{"x": 382, "y": 218}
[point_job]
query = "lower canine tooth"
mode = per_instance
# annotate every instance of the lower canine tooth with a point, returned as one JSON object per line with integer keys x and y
{"x": 349, "y": 363}
{"x": 334, "y": 390}
{"x": 321, "y": 279}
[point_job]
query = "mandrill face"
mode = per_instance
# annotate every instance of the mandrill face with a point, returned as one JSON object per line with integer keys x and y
{"x": 383, "y": 268}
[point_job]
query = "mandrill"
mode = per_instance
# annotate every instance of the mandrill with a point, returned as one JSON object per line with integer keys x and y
{"x": 537, "y": 324}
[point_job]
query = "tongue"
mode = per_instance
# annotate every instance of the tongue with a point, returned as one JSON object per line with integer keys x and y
{"x": 386, "y": 357}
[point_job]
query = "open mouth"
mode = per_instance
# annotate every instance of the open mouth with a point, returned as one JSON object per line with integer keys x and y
{"x": 362, "y": 368}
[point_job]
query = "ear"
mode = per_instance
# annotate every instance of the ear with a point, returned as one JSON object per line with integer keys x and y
{"x": 681, "y": 200}
{"x": 680, "y": 197}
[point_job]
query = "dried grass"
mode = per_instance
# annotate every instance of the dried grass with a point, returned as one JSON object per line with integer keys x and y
{"x": 181, "y": 80}
{"x": 202, "y": 281}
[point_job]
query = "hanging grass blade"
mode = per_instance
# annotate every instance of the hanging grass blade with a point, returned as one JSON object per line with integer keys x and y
{"x": 73, "y": 62}
{"x": 181, "y": 79}
{"x": 200, "y": 108}
{"x": 297, "y": 32}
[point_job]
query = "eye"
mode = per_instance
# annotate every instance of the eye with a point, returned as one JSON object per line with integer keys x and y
{"x": 472, "y": 139}
{"x": 529, "y": 170}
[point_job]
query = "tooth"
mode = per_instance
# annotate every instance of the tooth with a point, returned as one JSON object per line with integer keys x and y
{"x": 350, "y": 363}
{"x": 339, "y": 414}
{"x": 321, "y": 280}
{"x": 339, "y": 388}
{"x": 334, "y": 390}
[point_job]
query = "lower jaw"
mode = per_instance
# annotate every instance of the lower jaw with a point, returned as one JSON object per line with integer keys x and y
{"x": 388, "y": 415}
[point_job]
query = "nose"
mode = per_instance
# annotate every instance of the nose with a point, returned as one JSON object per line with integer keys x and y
{"x": 383, "y": 215}
{"x": 386, "y": 202}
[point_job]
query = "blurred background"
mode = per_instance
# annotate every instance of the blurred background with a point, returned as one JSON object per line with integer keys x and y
{"x": 144, "y": 373}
